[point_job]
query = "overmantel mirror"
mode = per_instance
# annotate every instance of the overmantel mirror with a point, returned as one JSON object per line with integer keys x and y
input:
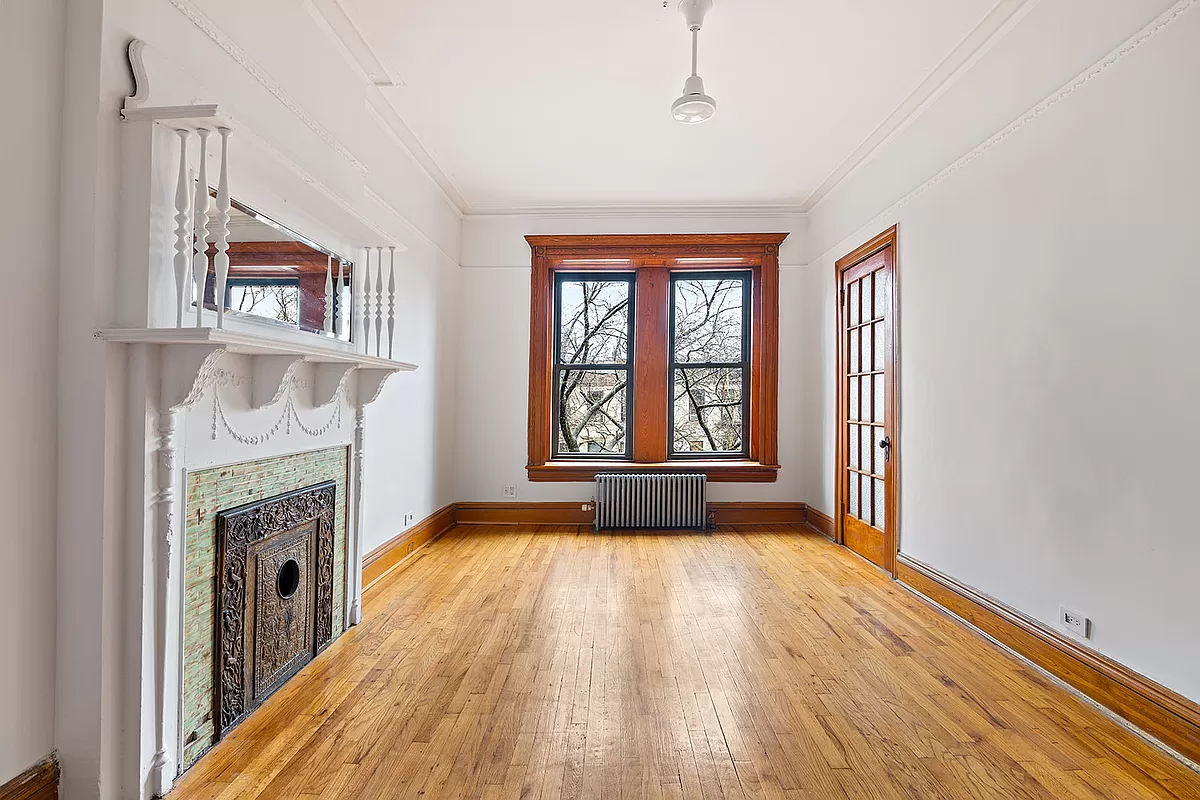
{"x": 282, "y": 277}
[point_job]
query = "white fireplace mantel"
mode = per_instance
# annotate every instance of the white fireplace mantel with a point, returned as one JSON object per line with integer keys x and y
{"x": 263, "y": 371}
{"x": 233, "y": 388}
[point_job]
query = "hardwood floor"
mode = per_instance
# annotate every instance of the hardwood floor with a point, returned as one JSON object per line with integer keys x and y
{"x": 548, "y": 662}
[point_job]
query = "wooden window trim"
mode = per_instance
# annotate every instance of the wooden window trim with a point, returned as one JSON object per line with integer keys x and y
{"x": 652, "y": 258}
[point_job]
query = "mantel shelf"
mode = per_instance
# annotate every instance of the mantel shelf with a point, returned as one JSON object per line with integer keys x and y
{"x": 191, "y": 356}
{"x": 320, "y": 352}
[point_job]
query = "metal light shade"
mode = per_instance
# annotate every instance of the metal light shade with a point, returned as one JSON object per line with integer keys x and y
{"x": 694, "y": 105}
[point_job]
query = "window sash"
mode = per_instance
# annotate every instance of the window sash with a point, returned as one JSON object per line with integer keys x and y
{"x": 560, "y": 366}
{"x": 745, "y": 365}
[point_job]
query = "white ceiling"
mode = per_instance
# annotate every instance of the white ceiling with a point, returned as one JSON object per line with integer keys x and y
{"x": 565, "y": 103}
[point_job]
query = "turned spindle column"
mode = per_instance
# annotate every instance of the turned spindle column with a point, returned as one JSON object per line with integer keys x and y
{"x": 328, "y": 295}
{"x": 166, "y": 477}
{"x": 354, "y": 572}
{"x": 183, "y": 218}
{"x": 224, "y": 203}
{"x": 366, "y": 315}
{"x": 391, "y": 321}
{"x": 339, "y": 324}
{"x": 202, "y": 209}
{"x": 379, "y": 302}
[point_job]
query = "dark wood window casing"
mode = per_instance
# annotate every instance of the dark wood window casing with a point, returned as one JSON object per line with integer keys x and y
{"x": 653, "y": 261}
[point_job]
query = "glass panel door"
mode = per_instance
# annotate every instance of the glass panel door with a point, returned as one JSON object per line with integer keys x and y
{"x": 866, "y": 440}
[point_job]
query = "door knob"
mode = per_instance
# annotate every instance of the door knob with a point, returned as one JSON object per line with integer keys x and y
{"x": 886, "y": 444}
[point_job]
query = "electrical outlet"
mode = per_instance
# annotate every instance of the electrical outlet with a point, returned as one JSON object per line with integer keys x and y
{"x": 510, "y": 491}
{"x": 588, "y": 507}
{"x": 1074, "y": 622}
{"x": 408, "y": 518}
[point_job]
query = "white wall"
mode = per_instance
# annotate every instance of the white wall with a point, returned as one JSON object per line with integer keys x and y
{"x": 31, "y": 47}
{"x": 411, "y": 429}
{"x": 493, "y": 372}
{"x": 1048, "y": 284}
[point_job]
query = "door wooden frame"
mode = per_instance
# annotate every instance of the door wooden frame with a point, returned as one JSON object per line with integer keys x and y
{"x": 872, "y": 247}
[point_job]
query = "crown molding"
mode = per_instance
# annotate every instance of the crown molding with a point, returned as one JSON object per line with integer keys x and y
{"x": 243, "y": 60}
{"x": 998, "y": 22}
{"x": 337, "y": 23}
{"x": 351, "y": 41}
{"x": 665, "y": 211}
{"x": 380, "y": 109}
{"x": 1144, "y": 35}
{"x": 374, "y": 197}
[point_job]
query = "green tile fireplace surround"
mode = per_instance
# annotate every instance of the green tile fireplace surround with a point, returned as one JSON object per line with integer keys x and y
{"x": 219, "y": 489}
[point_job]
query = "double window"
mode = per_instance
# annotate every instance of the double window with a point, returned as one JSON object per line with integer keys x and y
{"x": 654, "y": 354}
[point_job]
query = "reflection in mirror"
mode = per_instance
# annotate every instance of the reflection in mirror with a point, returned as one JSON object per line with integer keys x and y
{"x": 278, "y": 275}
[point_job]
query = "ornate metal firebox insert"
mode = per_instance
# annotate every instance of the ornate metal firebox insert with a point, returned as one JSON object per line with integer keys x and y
{"x": 274, "y": 596}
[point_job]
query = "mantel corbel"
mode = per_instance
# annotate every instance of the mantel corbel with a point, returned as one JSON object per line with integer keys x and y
{"x": 188, "y": 371}
{"x": 370, "y": 384}
{"x": 272, "y": 376}
{"x": 330, "y": 381}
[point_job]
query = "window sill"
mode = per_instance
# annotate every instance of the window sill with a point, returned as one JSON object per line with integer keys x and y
{"x": 717, "y": 471}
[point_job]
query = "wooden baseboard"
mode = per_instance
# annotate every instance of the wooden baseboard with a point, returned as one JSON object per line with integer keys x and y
{"x": 819, "y": 521}
{"x": 389, "y": 556}
{"x": 1171, "y": 718}
{"x": 39, "y": 782}
{"x": 740, "y": 514}
{"x": 728, "y": 514}
{"x": 523, "y": 513}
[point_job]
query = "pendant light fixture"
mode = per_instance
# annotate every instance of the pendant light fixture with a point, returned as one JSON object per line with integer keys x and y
{"x": 694, "y": 106}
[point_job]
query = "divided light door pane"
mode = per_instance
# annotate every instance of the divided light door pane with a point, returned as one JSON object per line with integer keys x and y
{"x": 593, "y": 364}
{"x": 866, "y": 320}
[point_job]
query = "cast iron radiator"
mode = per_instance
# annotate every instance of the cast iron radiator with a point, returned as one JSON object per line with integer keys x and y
{"x": 625, "y": 500}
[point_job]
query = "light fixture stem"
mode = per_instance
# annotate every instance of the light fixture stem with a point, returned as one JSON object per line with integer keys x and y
{"x": 695, "y": 47}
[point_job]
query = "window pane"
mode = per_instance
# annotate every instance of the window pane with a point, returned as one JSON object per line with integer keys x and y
{"x": 880, "y": 506}
{"x": 708, "y": 320}
{"x": 594, "y": 322}
{"x": 880, "y": 294}
{"x": 867, "y": 503}
{"x": 879, "y": 345}
{"x": 591, "y": 411}
{"x": 277, "y": 302}
{"x": 708, "y": 410}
